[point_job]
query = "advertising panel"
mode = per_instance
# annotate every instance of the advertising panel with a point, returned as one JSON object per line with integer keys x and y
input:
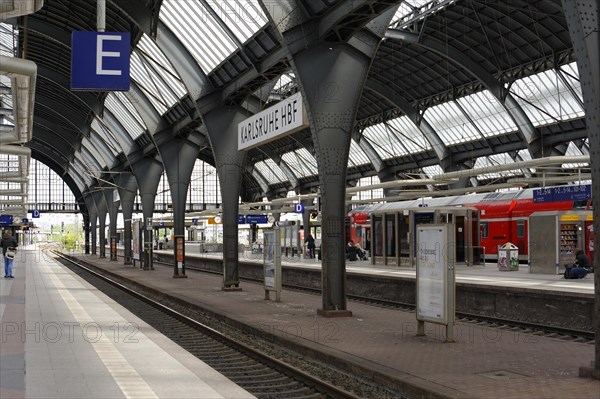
{"x": 135, "y": 248}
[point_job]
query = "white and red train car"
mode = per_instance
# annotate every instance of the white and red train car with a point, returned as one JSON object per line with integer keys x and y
{"x": 504, "y": 217}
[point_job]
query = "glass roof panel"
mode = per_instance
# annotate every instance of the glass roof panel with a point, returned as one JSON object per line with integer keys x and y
{"x": 77, "y": 171}
{"x": 546, "y": 98}
{"x": 410, "y": 135}
{"x": 120, "y": 105}
{"x": 155, "y": 75}
{"x": 495, "y": 160}
{"x": 301, "y": 162}
{"x": 368, "y": 194}
{"x": 384, "y": 141}
{"x": 103, "y": 149}
{"x": 574, "y": 150}
{"x": 357, "y": 155}
{"x": 571, "y": 75}
{"x": 92, "y": 149}
{"x": 199, "y": 32}
{"x": 91, "y": 164}
{"x": 82, "y": 170}
{"x": 106, "y": 136}
{"x": 9, "y": 38}
{"x": 524, "y": 155}
{"x": 6, "y": 101}
{"x": 433, "y": 170}
{"x": 284, "y": 80}
{"x": 415, "y": 10}
{"x": 487, "y": 113}
{"x": 243, "y": 17}
{"x": 451, "y": 124}
{"x": 270, "y": 171}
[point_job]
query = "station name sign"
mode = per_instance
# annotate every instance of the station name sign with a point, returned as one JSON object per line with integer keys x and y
{"x": 563, "y": 193}
{"x": 286, "y": 117}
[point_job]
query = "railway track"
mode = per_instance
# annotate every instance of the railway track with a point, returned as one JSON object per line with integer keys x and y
{"x": 523, "y": 327}
{"x": 259, "y": 373}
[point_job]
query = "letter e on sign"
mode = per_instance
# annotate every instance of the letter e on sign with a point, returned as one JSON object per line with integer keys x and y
{"x": 100, "y": 61}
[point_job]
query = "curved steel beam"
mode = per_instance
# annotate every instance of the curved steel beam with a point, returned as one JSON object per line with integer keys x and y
{"x": 512, "y": 107}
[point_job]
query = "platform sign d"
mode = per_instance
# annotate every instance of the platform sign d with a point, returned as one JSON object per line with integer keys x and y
{"x": 35, "y": 214}
{"x": 299, "y": 208}
{"x": 100, "y": 60}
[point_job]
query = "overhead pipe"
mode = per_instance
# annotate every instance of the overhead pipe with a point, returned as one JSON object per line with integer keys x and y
{"x": 443, "y": 178}
{"x": 13, "y": 9}
{"x": 101, "y": 15}
{"x": 23, "y": 72}
{"x": 10, "y": 149}
{"x": 9, "y": 175}
{"x": 532, "y": 163}
{"x": 14, "y": 179}
{"x": 16, "y": 192}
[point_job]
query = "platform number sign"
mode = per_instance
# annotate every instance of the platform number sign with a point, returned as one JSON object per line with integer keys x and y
{"x": 100, "y": 61}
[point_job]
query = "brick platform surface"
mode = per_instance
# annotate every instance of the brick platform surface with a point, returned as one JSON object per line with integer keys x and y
{"x": 483, "y": 362}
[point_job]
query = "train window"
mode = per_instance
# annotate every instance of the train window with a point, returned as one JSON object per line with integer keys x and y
{"x": 484, "y": 229}
{"x": 581, "y": 204}
{"x": 520, "y": 228}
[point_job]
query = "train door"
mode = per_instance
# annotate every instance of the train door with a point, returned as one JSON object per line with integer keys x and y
{"x": 390, "y": 257}
{"x": 377, "y": 242}
{"x": 403, "y": 235}
{"x": 476, "y": 233}
{"x": 590, "y": 236}
{"x": 460, "y": 232}
{"x": 420, "y": 218}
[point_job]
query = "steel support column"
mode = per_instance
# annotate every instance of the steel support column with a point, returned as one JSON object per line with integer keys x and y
{"x": 182, "y": 156}
{"x": 332, "y": 77}
{"x": 90, "y": 225}
{"x": 222, "y": 126}
{"x": 148, "y": 172}
{"x": 127, "y": 187}
{"x": 582, "y": 19}
{"x": 113, "y": 210}
{"x": 102, "y": 211}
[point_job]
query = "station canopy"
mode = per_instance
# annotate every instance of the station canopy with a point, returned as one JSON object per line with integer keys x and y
{"x": 455, "y": 85}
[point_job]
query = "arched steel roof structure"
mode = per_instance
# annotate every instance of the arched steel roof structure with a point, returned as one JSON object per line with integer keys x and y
{"x": 455, "y": 84}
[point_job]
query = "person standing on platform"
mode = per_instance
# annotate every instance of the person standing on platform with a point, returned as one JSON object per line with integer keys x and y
{"x": 310, "y": 244}
{"x": 8, "y": 242}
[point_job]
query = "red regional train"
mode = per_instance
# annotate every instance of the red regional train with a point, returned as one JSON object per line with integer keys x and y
{"x": 504, "y": 217}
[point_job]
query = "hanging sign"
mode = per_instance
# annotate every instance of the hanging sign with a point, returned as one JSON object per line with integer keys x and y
{"x": 100, "y": 60}
{"x": 285, "y": 117}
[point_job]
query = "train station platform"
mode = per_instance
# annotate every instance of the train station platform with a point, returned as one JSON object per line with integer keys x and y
{"x": 62, "y": 338}
{"x": 487, "y": 274}
{"x": 380, "y": 344}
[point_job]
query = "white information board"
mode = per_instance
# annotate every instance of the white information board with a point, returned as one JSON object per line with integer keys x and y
{"x": 435, "y": 275}
{"x": 272, "y": 262}
{"x": 135, "y": 248}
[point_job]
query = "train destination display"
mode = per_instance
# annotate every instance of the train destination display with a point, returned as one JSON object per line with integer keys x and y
{"x": 563, "y": 193}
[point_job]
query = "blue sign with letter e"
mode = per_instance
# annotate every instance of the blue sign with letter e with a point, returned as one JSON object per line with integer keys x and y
{"x": 100, "y": 61}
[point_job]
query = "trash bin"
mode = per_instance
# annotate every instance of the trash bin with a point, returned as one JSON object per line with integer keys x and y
{"x": 508, "y": 257}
